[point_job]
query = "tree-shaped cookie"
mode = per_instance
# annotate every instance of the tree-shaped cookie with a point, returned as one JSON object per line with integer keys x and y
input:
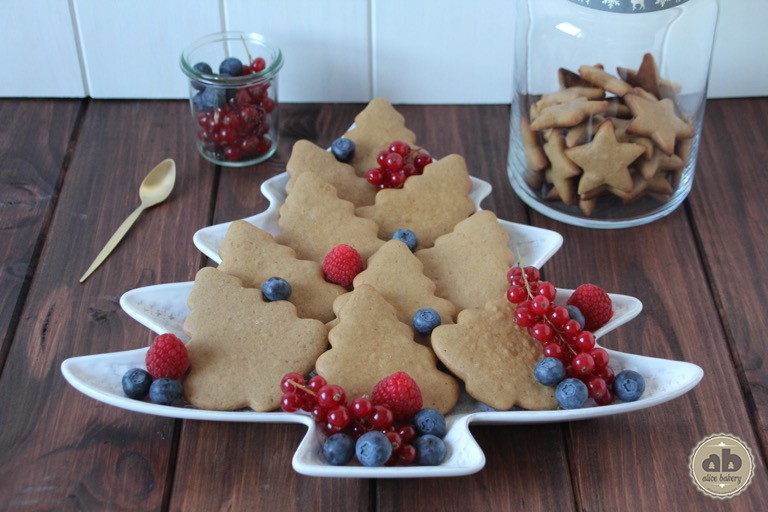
{"x": 468, "y": 265}
{"x": 397, "y": 274}
{"x": 313, "y": 220}
{"x": 307, "y": 157}
{"x": 240, "y": 346}
{"x": 376, "y": 127}
{"x": 494, "y": 357}
{"x": 430, "y": 204}
{"x": 370, "y": 343}
{"x": 253, "y": 256}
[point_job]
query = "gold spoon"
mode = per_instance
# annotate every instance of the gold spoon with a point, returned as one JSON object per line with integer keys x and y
{"x": 155, "y": 189}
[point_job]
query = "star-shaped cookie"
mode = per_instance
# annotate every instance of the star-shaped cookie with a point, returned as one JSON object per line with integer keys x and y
{"x": 468, "y": 265}
{"x": 313, "y": 220}
{"x": 430, "y": 204}
{"x": 564, "y": 115}
{"x": 376, "y": 127}
{"x": 240, "y": 346}
{"x": 253, "y": 256}
{"x": 494, "y": 357}
{"x": 605, "y": 160}
{"x": 659, "y": 121}
{"x": 562, "y": 170}
{"x": 370, "y": 343}
{"x": 307, "y": 157}
{"x": 648, "y": 78}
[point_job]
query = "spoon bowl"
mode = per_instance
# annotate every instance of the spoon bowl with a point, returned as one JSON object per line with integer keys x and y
{"x": 154, "y": 189}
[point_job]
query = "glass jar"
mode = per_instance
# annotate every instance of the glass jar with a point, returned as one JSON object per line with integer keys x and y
{"x": 607, "y": 106}
{"x": 234, "y": 103}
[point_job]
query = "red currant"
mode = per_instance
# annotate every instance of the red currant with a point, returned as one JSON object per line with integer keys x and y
{"x": 331, "y": 395}
{"x": 597, "y": 387}
{"x": 515, "y": 276}
{"x": 319, "y": 413}
{"x": 606, "y": 399}
{"x": 547, "y": 289}
{"x": 233, "y": 153}
{"x": 291, "y": 402}
{"x": 375, "y": 176}
{"x": 394, "y": 162}
{"x": 421, "y": 160}
{"x": 607, "y": 374}
{"x": 524, "y": 317}
{"x": 316, "y": 382}
{"x": 558, "y": 315}
{"x": 381, "y": 158}
{"x": 258, "y": 65}
{"x": 539, "y": 305}
{"x": 406, "y": 455}
{"x": 396, "y": 178}
{"x": 291, "y": 382}
{"x": 532, "y": 274}
{"x": 381, "y": 417}
{"x": 583, "y": 364}
{"x": 584, "y": 342}
{"x": 542, "y": 332}
{"x": 517, "y": 294}
{"x": 572, "y": 328}
{"x": 400, "y": 147}
{"x": 395, "y": 439}
{"x": 338, "y": 416}
{"x": 553, "y": 350}
{"x": 361, "y": 407}
{"x": 407, "y": 433}
{"x": 600, "y": 356}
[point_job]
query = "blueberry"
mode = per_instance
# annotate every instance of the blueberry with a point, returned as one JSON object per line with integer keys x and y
{"x": 425, "y": 320}
{"x": 430, "y": 450}
{"x": 211, "y": 98}
{"x": 165, "y": 391}
{"x": 571, "y": 393}
{"x": 231, "y": 65}
{"x": 373, "y": 449}
{"x": 406, "y": 236}
{"x": 136, "y": 382}
{"x": 430, "y": 421}
{"x": 343, "y": 149}
{"x": 276, "y": 288}
{"x": 549, "y": 371}
{"x": 628, "y": 385}
{"x": 204, "y": 69}
{"x": 339, "y": 449}
{"x": 576, "y": 314}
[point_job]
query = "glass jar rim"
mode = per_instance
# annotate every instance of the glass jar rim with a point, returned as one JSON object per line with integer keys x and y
{"x": 268, "y": 72}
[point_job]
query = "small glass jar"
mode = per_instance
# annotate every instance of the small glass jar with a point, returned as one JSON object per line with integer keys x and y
{"x": 607, "y": 106}
{"x": 234, "y": 107}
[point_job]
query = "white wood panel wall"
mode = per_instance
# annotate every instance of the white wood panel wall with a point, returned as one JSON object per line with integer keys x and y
{"x": 429, "y": 51}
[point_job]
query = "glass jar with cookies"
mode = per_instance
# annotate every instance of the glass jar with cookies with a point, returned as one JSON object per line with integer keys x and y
{"x": 607, "y": 106}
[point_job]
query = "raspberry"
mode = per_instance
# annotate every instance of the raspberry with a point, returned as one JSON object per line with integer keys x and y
{"x": 167, "y": 358}
{"x": 400, "y": 393}
{"x": 594, "y": 303}
{"x": 342, "y": 264}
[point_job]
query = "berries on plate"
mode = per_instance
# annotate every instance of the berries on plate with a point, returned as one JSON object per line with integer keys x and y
{"x": 594, "y": 303}
{"x": 430, "y": 450}
{"x": 397, "y": 163}
{"x": 628, "y": 385}
{"x": 343, "y": 149}
{"x": 406, "y": 236}
{"x": 571, "y": 393}
{"x": 342, "y": 264}
{"x": 276, "y": 288}
{"x": 167, "y": 357}
{"x": 425, "y": 320}
{"x": 136, "y": 382}
{"x": 400, "y": 393}
{"x": 165, "y": 391}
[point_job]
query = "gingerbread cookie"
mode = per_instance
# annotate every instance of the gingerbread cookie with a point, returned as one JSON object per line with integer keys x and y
{"x": 564, "y": 115}
{"x": 313, "y": 220}
{"x": 562, "y": 170}
{"x": 253, "y": 256}
{"x": 307, "y": 157}
{"x": 466, "y": 263}
{"x": 430, "y": 204}
{"x": 494, "y": 357}
{"x": 659, "y": 121}
{"x": 601, "y": 78}
{"x": 240, "y": 346}
{"x": 370, "y": 343}
{"x": 376, "y": 126}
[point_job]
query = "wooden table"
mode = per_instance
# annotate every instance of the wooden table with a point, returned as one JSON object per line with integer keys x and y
{"x": 69, "y": 173}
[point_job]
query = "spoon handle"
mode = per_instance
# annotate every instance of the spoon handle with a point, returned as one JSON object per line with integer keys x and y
{"x": 112, "y": 243}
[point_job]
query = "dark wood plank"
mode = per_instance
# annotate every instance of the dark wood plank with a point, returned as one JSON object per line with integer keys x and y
{"x": 728, "y": 206}
{"x": 259, "y": 475}
{"x": 34, "y": 137}
{"x": 640, "y": 461}
{"x": 60, "y": 450}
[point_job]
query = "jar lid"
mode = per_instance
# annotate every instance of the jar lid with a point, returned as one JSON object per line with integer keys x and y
{"x": 629, "y": 6}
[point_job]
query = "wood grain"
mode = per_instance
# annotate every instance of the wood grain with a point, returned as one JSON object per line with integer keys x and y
{"x": 60, "y": 450}
{"x": 34, "y": 137}
{"x": 731, "y": 222}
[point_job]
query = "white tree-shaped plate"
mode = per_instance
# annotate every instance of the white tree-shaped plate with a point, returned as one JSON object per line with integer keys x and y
{"x": 163, "y": 308}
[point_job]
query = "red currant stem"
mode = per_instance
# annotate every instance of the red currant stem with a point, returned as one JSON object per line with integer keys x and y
{"x": 246, "y": 50}
{"x": 302, "y": 387}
